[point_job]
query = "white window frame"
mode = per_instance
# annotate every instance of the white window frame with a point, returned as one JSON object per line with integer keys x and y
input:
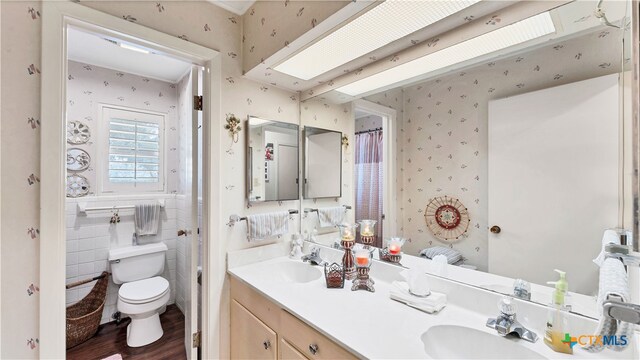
{"x": 106, "y": 187}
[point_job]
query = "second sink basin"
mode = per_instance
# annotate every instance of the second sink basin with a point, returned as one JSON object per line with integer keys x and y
{"x": 459, "y": 342}
{"x": 293, "y": 272}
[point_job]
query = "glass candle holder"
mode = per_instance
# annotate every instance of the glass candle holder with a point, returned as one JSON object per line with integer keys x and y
{"x": 367, "y": 232}
{"x": 347, "y": 240}
{"x": 363, "y": 264}
{"x": 395, "y": 245}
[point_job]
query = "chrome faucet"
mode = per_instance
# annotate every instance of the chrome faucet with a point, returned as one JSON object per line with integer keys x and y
{"x": 314, "y": 257}
{"x": 506, "y": 322}
{"x": 621, "y": 311}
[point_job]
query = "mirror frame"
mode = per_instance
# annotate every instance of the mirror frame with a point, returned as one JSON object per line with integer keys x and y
{"x": 249, "y": 159}
{"x": 305, "y": 163}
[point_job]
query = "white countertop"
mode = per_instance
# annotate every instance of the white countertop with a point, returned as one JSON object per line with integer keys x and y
{"x": 371, "y": 325}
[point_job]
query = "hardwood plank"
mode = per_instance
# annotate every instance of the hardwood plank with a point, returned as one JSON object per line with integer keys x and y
{"x": 112, "y": 339}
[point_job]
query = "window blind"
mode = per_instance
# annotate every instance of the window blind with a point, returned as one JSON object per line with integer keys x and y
{"x": 134, "y": 151}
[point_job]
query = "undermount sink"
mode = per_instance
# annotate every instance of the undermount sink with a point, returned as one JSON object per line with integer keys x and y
{"x": 459, "y": 342}
{"x": 293, "y": 272}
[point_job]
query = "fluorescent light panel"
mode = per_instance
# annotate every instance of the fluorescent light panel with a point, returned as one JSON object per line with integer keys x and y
{"x": 387, "y": 22}
{"x": 522, "y": 31}
{"x": 133, "y": 48}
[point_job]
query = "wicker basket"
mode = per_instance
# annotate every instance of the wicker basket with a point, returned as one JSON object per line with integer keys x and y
{"x": 83, "y": 317}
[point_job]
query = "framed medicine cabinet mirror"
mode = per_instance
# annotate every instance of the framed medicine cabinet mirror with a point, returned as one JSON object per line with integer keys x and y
{"x": 272, "y": 160}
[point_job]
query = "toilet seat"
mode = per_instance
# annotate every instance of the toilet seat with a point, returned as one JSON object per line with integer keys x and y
{"x": 144, "y": 291}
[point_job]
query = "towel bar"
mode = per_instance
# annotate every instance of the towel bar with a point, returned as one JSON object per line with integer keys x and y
{"x": 233, "y": 219}
{"x": 83, "y": 209}
{"x": 308, "y": 210}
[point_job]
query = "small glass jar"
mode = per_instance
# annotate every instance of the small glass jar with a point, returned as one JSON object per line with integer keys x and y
{"x": 395, "y": 245}
{"x": 367, "y": 232}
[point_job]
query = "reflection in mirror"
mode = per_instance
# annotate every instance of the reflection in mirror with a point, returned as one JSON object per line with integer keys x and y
{"x": 322, "y": 165}
{"x": 272, "y": 160}
{"x": 533, "y": 145}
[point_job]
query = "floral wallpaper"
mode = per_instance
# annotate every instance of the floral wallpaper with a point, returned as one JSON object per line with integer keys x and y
{"x": 194, "y": 21}
{"x": 271, "y": 25}
{"x": 444, "y": 145}
{"x": 89, "y": 86}
{"x": 368, "y": 122}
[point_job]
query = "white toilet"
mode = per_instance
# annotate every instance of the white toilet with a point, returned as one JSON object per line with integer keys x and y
{"x": 143, "y": 293}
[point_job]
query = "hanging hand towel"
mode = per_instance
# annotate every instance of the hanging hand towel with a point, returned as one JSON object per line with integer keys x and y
{"x": 613, "y": 282}
{"x": 331, "y": 216}
{"x": 262, "y": 226}
{"x": 147, "y": 219}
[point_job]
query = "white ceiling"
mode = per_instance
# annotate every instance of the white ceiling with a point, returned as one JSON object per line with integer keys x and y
{"x": 238, "y": 7}
{"x": 94, "y": 49}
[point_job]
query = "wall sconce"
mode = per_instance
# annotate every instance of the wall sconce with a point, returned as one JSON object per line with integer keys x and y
{"x": 345, "y": 141}
{"x": 233, "y": 126}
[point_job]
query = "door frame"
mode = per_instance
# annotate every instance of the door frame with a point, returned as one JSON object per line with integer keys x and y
{"x": 56, "y": 17}
{"x": 389, "y": 161}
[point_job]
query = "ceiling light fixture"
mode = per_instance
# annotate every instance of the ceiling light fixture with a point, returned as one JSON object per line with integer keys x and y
{"x": 134, "y": 48}
{"x": 516, "y": 33}
{"x": 385, "y": 23}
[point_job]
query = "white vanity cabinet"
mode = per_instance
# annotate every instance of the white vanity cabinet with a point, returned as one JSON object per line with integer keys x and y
{"x": 262, "y": 330}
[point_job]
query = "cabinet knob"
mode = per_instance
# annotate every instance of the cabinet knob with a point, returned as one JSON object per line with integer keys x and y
{"x": 313, "y": 349}
{"x": 495, "y": 229}
{"x": 267, "y": 344}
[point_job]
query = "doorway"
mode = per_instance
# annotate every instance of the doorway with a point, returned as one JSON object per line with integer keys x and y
{"x": 133, "y": 139}
{"x": 374, "y": 168}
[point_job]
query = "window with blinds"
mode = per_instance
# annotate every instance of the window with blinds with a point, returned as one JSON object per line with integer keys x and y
{"x": 133, "y": 151}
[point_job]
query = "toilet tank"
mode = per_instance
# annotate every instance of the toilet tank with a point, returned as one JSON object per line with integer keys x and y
{"x": 137, "y": 262}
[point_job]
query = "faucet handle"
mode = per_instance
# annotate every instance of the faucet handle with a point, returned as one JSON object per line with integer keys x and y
{"x": 507, "y": 306}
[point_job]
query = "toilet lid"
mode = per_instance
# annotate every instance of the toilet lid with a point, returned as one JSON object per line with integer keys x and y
{"x": 145, "y": 290}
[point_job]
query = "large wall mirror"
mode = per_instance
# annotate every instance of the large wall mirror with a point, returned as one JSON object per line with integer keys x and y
{"x": 322, "y": 163}
{"x": 513, "y": 163}
{"x": 272, "y": 160}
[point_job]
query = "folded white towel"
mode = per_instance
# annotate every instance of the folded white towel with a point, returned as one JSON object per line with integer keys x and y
{"x": 429, "y": 304}
{"x": 609, "y": 236}
{"x": 262, "y": 226}
{"x": 331, "y": 216}
{"x": 147, "y": 219}
{"x": 613, "y": 282}
{"x": 453, "y": 255}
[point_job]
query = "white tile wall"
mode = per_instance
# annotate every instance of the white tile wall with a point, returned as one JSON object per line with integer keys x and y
{"x": 89, "y": 238}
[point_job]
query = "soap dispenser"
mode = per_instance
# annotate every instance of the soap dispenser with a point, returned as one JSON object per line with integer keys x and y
{"x": 557, "y": 325}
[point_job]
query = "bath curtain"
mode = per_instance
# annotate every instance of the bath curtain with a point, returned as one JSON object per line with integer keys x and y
{"x": 369, "y": 179}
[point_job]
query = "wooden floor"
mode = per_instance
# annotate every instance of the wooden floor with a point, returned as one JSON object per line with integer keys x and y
{"x": 112, "y": 339}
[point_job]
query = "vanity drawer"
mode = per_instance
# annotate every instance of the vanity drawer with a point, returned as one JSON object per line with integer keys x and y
{"x": 257, "y": 304}
{"x": 308, "y": 341}
{"x": 288, "y": 352}
{"x": 250, "y": 337}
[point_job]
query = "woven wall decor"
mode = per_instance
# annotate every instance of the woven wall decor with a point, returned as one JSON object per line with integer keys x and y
{"x": 447, "y": 218}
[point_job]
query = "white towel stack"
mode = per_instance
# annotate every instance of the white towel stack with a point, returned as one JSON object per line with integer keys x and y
{"x": 453, "y": 256}
{"x": 262, "y": 226}
{"x": 331, "y": 216}
{"x": 432, "y": 303}
{"x": 613, "y": 282}
{"x": 147, "y": 219}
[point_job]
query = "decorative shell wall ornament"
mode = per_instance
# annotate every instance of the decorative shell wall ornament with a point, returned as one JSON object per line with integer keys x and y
{"x": 77, "y": 133}
{"x": 77, "y": 186}
{"x": 447, "y": 218}
{"x": 77, "y": 159}
{"x": 233, "y": 126}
